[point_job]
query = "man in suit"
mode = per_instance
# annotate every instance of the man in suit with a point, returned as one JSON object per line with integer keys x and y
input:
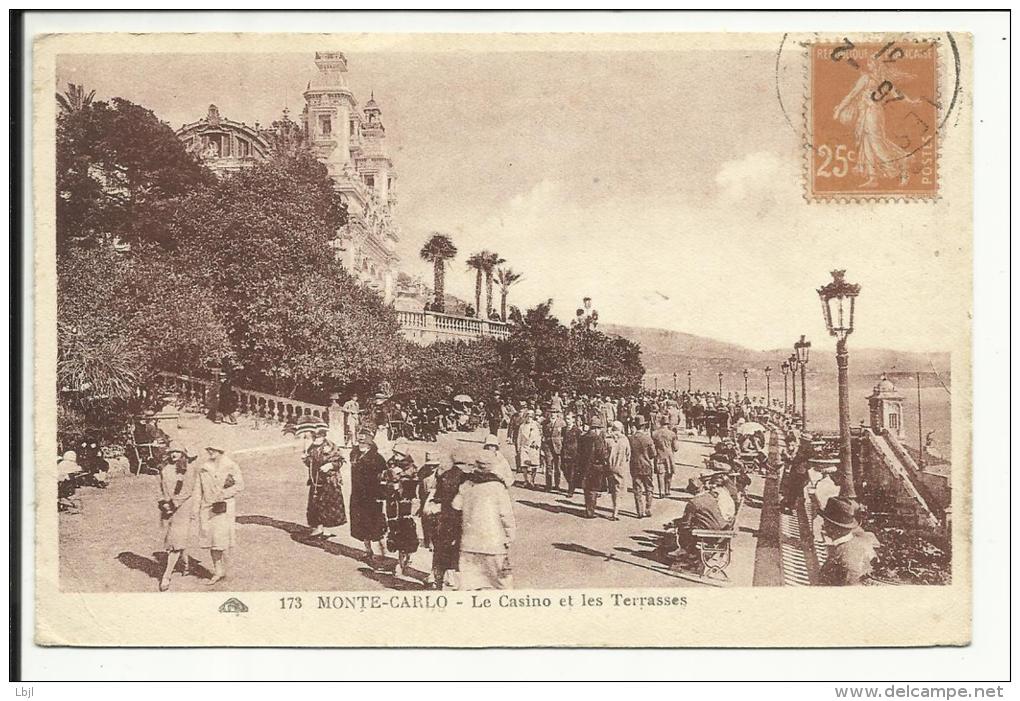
{"x": 851, "y": 548}
{"x": 552, "y": 449}
{"x": 642, "y": 466}
{"x": 702, "y": 512}
{"x": 666, "y": 444}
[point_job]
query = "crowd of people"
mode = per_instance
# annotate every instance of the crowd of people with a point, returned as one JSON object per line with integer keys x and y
{"x": 457, "y": 504}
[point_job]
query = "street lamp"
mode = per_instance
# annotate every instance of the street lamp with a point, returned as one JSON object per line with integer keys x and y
{"x": 688, "y": 380}
{"x": 792, "y": 360}
{"x": 803, "y": 348}
{"x": 720, "y": 385}
{"x": 785, "y": 367}
{"x": 838, "y": 299}
{"x": 674, "y": 383}
{"x": 745, "y": 383}
{"x": 768, "y": 387}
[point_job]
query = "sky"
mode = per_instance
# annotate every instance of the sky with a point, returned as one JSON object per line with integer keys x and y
{"x": 666, "y": 185}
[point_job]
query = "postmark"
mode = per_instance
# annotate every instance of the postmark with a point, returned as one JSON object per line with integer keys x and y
{"x": 872, "y": 118}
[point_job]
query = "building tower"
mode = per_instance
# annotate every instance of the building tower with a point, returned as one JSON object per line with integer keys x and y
{"x": 353, "y": 149}
{"x": 885, "y": 407}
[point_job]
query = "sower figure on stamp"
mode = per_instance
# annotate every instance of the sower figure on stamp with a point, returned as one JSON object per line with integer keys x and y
{"x": 368, "y": 522}
{"x": 325, "y": 510}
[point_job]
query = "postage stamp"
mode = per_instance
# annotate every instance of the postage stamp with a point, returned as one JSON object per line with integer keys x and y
{"x": 873, "y": 119}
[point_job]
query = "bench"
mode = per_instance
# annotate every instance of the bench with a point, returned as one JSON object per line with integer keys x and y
{"x": 715, "y": 548}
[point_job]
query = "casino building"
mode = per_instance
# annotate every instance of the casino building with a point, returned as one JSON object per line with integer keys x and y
{"x": 349, "y": 140}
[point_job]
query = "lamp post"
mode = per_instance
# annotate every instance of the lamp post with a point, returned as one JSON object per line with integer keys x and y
{"x": 838, "y": 300}
{"x": 768, "y": 387}
{"x": 688, "y": 380}
{"x": 745, "y": 383}
{"x": 674, "y": 383}
{"x": 792, "y": 360}
{"x": 785, "y": 367}
{"x": 720, "y": 385}
{"x": 803, "y": 348}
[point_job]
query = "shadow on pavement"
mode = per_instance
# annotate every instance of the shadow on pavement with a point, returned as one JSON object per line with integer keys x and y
{"x": 583, "y": 550}
{"x": 153, "y": 566}
{"x": 552, "y": 508}
{"x": 299, "y": 534}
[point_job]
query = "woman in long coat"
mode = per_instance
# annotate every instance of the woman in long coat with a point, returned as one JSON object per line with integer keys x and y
{"x": 400, "y": 487}
{"x": 368, "y": 522}
{"x": 446, "y": 548}
{"x": 325, "y": 509}
{"x": 177, "y": 481}
{"x": 219, "y": 482}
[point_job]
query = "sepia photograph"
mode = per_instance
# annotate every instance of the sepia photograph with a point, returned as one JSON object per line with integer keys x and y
{"x": 469, "y": 322}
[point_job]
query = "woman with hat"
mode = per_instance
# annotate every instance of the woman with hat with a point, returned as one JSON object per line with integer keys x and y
{"x": 488, "y": 528}
{"x": 399, "y": 484}
{"x": 325, "y": 508}
{"x": 851, "y": 548}
{"x": 446, "y": 548}
{"x": 529, "y": 446}
{"x": 177, "y": 509}
{"x": 502, "y": 466}
{"x": 219, "y": 482}
{"x": 368, "y": 522}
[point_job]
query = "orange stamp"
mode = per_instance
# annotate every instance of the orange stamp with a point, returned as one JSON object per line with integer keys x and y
{"x": 872, "y": 120}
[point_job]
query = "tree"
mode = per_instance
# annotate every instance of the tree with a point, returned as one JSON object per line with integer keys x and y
{"x": 75, "y": 98}
{"x": 477, "y": 262}
{"x": 118, "y": 170}
{"x": 437, "y": 250}
{"x": 505, "y": 278}
{"x": 492, "y": 259}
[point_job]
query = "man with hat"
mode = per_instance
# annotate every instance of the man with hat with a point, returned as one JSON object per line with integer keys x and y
{"x": 568, "y": 456}
{"x": 701, "y": 512}
{"x": 642, "y": 466}
{"x": 796, "y": 476}
{"x": 592, "y": 465}
{"x": 666, "y": 444}
{"x": 368, "y": 522}
{"x": 352, "y": 416}
{"x": 851, "y": 548}
{"x": 552, "y": 449}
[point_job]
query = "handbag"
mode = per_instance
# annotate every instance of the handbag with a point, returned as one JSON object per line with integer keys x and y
{"x": 219, "y": 507}
{"x": 167, "y": 507}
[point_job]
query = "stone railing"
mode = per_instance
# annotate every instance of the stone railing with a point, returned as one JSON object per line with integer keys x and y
{"x": 193, "y": 390}
{"x": 883, "y": 464}
{"x": 429, "y": 327}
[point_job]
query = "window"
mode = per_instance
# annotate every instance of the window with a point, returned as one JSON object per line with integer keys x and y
{"x": 243, "y": 148}
{"x": 352, "y": 127}
{"x": 894, "y": 421}
{"x": 370, "y": 180}
{"x": 225, "y": 150}
{"x": 325, "y": 125}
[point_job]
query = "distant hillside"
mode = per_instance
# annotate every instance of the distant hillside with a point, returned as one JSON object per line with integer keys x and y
{"x": 664, "y": 352}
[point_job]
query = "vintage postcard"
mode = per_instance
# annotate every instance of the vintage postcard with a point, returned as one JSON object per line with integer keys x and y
{"x": 476, "y": 340}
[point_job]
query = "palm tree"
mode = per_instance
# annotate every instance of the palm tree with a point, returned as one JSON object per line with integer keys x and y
{"x": 75, "y": 99}
{"x": 505, "y": 278}
{"x": 491, "y": 261}
{"x": 437, "y": 250}
{"x": 477, "y": 262}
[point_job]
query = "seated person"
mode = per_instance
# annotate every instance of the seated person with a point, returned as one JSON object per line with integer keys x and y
{"x": 94, "y": 466}
{"x": 151, "y": 443}
{"x": 702, "y": 512}
{"x": 68, "y": 472}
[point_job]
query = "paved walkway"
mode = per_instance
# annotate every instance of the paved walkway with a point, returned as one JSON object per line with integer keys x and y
{"x": 114, "y": 545}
